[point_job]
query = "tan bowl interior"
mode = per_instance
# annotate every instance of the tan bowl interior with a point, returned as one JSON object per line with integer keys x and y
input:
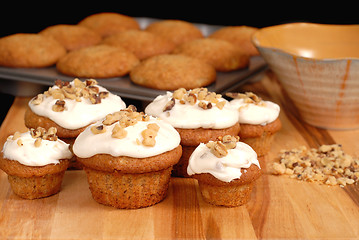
{"x": 319, "y": 41}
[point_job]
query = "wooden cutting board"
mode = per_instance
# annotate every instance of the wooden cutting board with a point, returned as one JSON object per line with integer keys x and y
{"x": 280, "y": 207}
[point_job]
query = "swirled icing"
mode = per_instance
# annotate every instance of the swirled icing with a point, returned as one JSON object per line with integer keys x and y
{"x": 224, "y": 168}
{"x": 256, "y": 113}
{"x": 88, "y": 144}
{"x": 192, "y": 116}
{"x": 78, "y": 113}
{"x": 26, "y": 153}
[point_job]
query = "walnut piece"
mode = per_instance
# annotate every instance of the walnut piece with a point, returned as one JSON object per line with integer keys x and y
{"x": 200, "y": 96}
{"x": 220, "y": 147}
{"x": 59, "y": 106}
{"x": 38, "y": 99}
{"x": 169, "y": 105}
{"x": 248, "y": 97}
{"x": 118, "y": 132}
{"x": 149, "y": 135}
{"x": 98, "y": 129}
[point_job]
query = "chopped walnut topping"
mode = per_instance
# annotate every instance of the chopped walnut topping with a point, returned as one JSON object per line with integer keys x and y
{"x": 153, "y": 126}
{"x": 78, "y": 91}
{"x": 119, "y": 132}
{"x": 59, "y": 106}
{"x": 37, "y": 142}
{"x": 326, "y": 165}
{"x": 191, "y": 98}
{"x": 200, "y": 96}
{"x": 19, "y": 142}
{"x": 149, "y": 135}
{"x": 230, "y": 141}
{"x": 220, "y": 147}
{"x": 169, "y": 105}
{"x": 38, "y": 134}
{"x": 248, "y": 97}
{"x": 205, "y": 105}
{"x": 125, "y": 117}
{"x": 221, "y": 104}
{"x": 38, "y": 99}
{"x": 43, "y": 134}
{"x": 94, "y": 98}
{"x": 103, "y": 95}
{"x": 179, "y": 93}
{"x": 129, "y": 117}
{"x": 98, "y": 129}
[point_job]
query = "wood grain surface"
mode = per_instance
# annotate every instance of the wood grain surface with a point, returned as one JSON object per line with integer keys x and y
{"x": 280, "y": 207}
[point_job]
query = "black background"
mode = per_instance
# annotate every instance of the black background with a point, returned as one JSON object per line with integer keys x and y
{"x": 32, "y": 17}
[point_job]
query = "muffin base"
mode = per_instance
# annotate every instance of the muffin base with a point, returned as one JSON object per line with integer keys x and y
{"x": 127, "y": 182}
{"x": 228, "y": 194}
{"x": 126, "y": 190}
{"x": 34, "y": 182}
{"x": 259, "y": 137}
{"x": 36, "y": 187}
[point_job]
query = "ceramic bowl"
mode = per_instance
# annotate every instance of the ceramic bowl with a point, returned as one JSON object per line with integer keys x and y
{"x": 318, "y": 67}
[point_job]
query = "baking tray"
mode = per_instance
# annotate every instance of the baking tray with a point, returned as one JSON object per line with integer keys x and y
{"x": 28, "y": 82}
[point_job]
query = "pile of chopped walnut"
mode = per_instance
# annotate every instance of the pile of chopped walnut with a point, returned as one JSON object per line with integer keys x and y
{"x": 64, "y": 90}
{"x": 200, "y": 96}
{"x": 125, "y": 118}
{"x": 38, "y": 134}
{"x": 220, "y": 147}
{"x": 328, "y": 164}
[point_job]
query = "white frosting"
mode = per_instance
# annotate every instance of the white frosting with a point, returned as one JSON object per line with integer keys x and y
{"x": 249, "y": 113}
{"x": 49, "y": 152}
{"x": 225, "y": 168}
{"x": 88, "y": 144}
{"x": 78, "y": 114}
{"x": 192, "y": 116}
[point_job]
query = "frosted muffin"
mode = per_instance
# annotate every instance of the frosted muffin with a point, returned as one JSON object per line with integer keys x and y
{"x": 128, "y": 158}
{"x": 35, "y": 162}
{"x": 226, "y": 170}
{"x": 70, "y": 107}
{"x": 259, "y": 120}
{"x": 198, "y": 115}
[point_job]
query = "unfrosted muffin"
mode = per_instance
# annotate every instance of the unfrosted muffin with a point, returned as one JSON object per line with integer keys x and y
{"x": 143, "y": 44}
{"x": 226, "y": 170}
{"x": 240, "y": 36}
{"x": 29, "y": 50}
{"x": 98, "y": 61}
{"x": 220, "y": 54}
{"x": 35, "y": 162}
{"x": 70, "y": 107}
{"x": 173, "y": 71}
{"x": 108, "y": 23}
{"x": 128, "y": 158}
{"x": 198, "y": 115}
{"x": 175, "y": 30}
{"x": 72, "y": 37}
{"x": 259, "y": 120}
